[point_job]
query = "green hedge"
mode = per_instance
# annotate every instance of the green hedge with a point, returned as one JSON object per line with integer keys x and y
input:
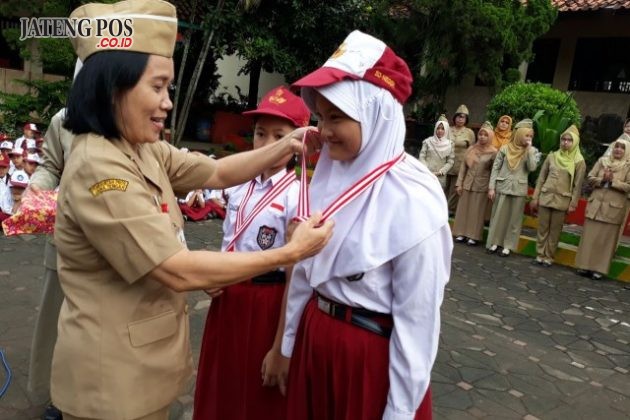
{"x": 523, "y": 100}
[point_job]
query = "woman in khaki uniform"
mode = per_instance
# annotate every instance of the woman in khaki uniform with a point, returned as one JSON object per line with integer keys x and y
{"x": 503, "y": 132}
{"x": 606, "y": 211}
{"x": 472, "y": 187}
{"x": 462, "y": 138}
{"x": 557, "y": 192}
{"x": 123, "y": 348}
{"x": 437, "y": 151}
{"x": 508, "y": 188}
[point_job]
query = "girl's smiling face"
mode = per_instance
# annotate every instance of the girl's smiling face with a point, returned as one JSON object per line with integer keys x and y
{"x": 338, "y": 130}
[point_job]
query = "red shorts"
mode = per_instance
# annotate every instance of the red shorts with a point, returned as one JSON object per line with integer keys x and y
{"x": 339, "y": 371}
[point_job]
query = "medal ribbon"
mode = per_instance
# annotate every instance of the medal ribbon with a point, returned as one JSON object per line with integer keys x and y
{"x": 303, "y": 210}
{"x": 243, "y": 222}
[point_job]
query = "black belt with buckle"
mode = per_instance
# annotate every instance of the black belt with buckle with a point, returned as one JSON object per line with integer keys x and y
{"x": 272, "y": 277}
{"x": 376, "y": 322}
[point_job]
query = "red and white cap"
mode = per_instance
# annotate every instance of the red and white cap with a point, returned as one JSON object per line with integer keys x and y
{"x": 19, "y": 178}
{"x": 363, "y": 57}
{"x": 280, "y": 102}
{"x": 3, "y": 137}
{"x": 31, "y": 126}
{"x": 33, "y": 158}
{"x": 6, "y": 145}
{"x": 17, "y": 151}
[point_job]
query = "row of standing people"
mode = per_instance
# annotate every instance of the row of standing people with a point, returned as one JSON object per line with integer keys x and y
{"x": 494, "y": 175}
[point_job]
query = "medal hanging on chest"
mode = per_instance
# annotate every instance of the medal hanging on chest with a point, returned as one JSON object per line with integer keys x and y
{"x": 304, "y": 211}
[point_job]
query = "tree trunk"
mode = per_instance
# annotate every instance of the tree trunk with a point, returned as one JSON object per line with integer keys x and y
{"x": 254, "y": 81}
{"x": 192, "y": 86}
{"x": 180, "y": 76}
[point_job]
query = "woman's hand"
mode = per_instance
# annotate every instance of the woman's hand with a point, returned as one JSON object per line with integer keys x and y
{"x": 311, "y": 236}
{"x": 275, "y": 370}
{"x": 533, "y": 205}
{"x": 312, "y": 143}
{"x": 214, "y": 292}
{"x": 572, "y": 208}
{"x": 491, "y": 194}
{"x": 459, "y": 190}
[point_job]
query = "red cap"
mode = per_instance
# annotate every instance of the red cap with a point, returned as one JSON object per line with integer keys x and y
{"x": 19, "y": 179}
{"x": 363, "y": 57}
{"x": 4, "y": 160}
{"x": 30, "y": 126}
{"x": 280, "y": 102}
{"x": 3, "y": 137}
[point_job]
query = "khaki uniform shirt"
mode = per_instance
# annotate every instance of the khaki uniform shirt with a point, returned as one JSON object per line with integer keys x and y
{"x": 477, "y": 177}
{"x": 512, "y": 182}
{"x": 429, "y": 156}
{"x": 554, "y": 188}
{"x": 55, "y": 153}
{"x": 462, "y": 139}
{"x": 123, "y": 346}
{"x": 608, "y": 204}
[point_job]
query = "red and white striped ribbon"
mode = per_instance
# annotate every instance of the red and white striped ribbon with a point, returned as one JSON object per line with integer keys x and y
{"x": 243, "y": 222}
{"x": 347, "y": 196}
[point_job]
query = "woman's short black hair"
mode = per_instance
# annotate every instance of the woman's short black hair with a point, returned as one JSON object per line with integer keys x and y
{"x": 458, "y": 114}
{"x": 102, "y": 78}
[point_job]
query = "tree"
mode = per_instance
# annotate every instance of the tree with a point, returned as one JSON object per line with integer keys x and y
{"x": 445, "y": 41}
{"x": 292, "y": 37}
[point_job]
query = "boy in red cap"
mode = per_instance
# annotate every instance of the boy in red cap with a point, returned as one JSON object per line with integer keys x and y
{"x": 17, "y": 156}
{"x": 363, "y": 316}
{"x": 29, "y": 130}
{"x": 17, "y": 184}
{"x": 31, "y": 162}
{"x": 242, "y": 336}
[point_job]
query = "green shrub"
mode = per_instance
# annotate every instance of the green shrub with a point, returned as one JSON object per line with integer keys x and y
{"x": 523, "y": 100}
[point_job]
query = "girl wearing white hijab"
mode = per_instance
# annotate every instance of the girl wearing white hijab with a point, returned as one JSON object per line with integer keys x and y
{"x": 360, "y": 339}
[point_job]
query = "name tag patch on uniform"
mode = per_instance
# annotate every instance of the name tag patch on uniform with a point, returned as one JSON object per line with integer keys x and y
{"x": 266, "y": 237}
{"x": 108, "y": 185}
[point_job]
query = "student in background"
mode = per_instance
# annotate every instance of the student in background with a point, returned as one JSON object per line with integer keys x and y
{"x": 245, "y": 322}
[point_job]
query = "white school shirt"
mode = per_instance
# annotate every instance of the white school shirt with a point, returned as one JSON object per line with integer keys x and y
{"x": 420, "y": 275}
{"x": 19, "y": 141}
{"x": 6, "y": 199}
{"x": 268, "y": 229}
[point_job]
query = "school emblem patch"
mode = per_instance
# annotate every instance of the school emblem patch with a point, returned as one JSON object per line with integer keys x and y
{"x": 266, "y": 237}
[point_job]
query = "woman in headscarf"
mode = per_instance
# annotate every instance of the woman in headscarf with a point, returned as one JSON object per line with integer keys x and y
{"x": 368, "y": 336}
{"x": 472, "y": 187}
{"x": 508, "y": 188}
{"x": 606, "y": 211}
{"x": 437, "y": 152}
{"x": 557, "y": 192}
{"x": 462, "y": 138}
{"x": 625, "y": 135}
{"x": 503, "y": 132}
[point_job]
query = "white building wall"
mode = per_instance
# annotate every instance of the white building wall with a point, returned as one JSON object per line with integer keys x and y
{"x": 228, "y": 68}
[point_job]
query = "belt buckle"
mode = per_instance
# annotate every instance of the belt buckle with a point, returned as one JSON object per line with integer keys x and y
{"x": 323, "y": 305}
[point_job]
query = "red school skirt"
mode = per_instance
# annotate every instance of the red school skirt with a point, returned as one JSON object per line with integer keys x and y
{"x": 239, "y": 331}
{"x": 340, "y": 371}
{"x": 201, "y": 213}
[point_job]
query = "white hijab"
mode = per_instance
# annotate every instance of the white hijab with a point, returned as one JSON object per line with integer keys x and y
{"x": 442, "y": 145}
{"x": 396, "y": 213}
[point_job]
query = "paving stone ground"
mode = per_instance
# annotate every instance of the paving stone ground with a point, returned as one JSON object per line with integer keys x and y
{"x": 518, "y": 341}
